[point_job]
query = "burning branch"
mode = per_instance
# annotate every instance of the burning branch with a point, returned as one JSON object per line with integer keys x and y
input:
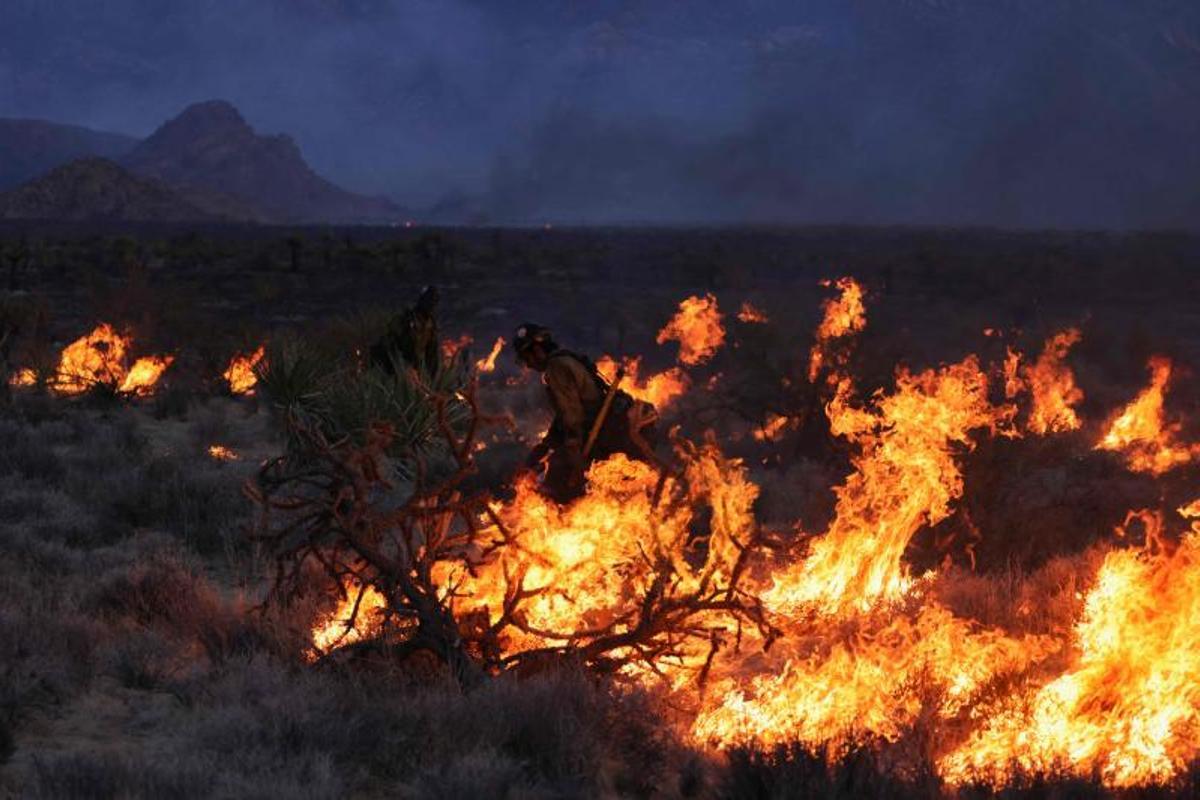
{"x": 488, "y": 587}
{"x": 332, "y": 505}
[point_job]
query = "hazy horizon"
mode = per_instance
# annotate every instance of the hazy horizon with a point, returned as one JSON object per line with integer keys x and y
{"x": 1005, "y": 113}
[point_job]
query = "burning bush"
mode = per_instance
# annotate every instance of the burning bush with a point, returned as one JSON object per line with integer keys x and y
{"x": 480, "y": 585}
{"x": 830, "y": 640}
{"x": 100, "y": 362}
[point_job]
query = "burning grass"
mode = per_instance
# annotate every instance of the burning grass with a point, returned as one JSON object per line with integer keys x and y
{"x": 101, "y": 360}
{"x": 677, "y": 634}
{"x": 668, "y": 582}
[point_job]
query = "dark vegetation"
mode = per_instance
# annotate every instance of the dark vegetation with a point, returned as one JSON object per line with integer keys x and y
{"x": 134, "y": 659}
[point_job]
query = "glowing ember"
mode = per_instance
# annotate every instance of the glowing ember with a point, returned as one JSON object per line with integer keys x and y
{"x": 344, "y": 625}
{"x": 452, "y": 347}
{"x": 1052, "y": 385}
{"x": 240, "y": 372}
{"x": 1014, "y": 384}
{"x": 488, "y": 363}
{"x": 698, "y": 329}
{"x": 1140, "y": 433}
{"x": 751, "y": 315}
{"x": 844, "y": 315}
{"x": 775, "y": 425}
{"x": 659, "y": 389}
{"x": 222, "y": 453}
{"x": 23, "y": 377}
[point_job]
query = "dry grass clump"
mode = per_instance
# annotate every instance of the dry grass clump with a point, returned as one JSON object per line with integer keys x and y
{"x": 106, "y": 599}
{"x": 259, "y": 728}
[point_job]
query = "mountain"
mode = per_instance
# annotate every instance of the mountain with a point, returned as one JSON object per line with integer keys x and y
{"x": 96, "y": 189}
{"x": 30, "y": 147}
{"x": 210, "y": 148}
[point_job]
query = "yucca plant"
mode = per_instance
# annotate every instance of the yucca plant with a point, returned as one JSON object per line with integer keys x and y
{"x": 294, "y": 373}
{"x": 405, "y": 400}
{"x": 310, "y": 381}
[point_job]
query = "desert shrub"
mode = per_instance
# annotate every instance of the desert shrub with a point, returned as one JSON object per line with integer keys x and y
{"x": 209, "y": 424}
{"x": 47, "y": 650}
{"x": 304, "y": 379}
{"x": 37, "y": 407}
{"x": 184, "y": 774}
{"x": 95, "y": 775}
{"x": 556, "y": 735}
{"x": 141, "y": 659}
{"x": 294, "y": 371}
{"x": 103, "y": 441}
{"x": 173, "y": 401}
{"x": 352, "y": 406}
{"x": 1043, "y": 600}
{"x": 7, "y": 745}
{"x": 162, "y": 592}
{"x": 795, "y": 772}
{"x": 27, "y": 455}
{"x": 45, "y": 549}
{"x": 478, "y": 773}
{"x": 17, "y": 505}
{"x": 188, "y": 498}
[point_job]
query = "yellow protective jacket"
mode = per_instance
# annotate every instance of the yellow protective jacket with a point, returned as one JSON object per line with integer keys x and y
{"x": 576, "y": 396}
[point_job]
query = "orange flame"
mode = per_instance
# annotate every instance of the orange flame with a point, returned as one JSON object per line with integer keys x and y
{"x": 98, "y": 359}
{"x": 659, "y": 389}
{"x": 1128, "y": 708}
{"x": 343, "y": 626}
{"x": 1140, "y": 433}
{"x": 867, "y": 683}
{"x": 869, "y": 650}
{"x": 698, "y": 329}
{"x": 23, "y": 377}
{"x": 858, "y": 664}
{"x": 581, "y": 561}
{"x": 1052, "y": 384}
{"x": 95, "y": 359}
{"x": 240, "y": 372}
{"x": 905, "y": 477}
{"x": 1014, "y": 384}
{"x": 844, "y": 315}
{"x": 222, "y": 453}
{"x": 488, "y": 363}
{"x": 774, "y": 426}
{"x": 144, "y": 374}
{"x": 751, "y": 315}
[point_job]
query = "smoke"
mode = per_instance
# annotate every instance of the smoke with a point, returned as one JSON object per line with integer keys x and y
{"x": 989, "y": 112}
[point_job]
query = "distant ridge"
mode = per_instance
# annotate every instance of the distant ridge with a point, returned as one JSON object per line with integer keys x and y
{"x": 210, "y": 148}
{"x": 99, "y": 190}
{"x": 31, "y": 147}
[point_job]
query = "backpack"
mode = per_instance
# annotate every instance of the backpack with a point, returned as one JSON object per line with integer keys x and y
{"x": 626, "y": 410}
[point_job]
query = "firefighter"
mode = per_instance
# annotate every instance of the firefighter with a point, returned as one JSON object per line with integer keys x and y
{"x": 577, "y": 393}
{"x": 413, "y": 337}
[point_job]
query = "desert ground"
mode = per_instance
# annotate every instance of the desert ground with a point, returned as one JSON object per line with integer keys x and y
{"x": 145, "y": 653}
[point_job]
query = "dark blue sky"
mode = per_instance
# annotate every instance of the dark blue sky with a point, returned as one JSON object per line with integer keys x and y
{"x": 1005, "y": 112}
